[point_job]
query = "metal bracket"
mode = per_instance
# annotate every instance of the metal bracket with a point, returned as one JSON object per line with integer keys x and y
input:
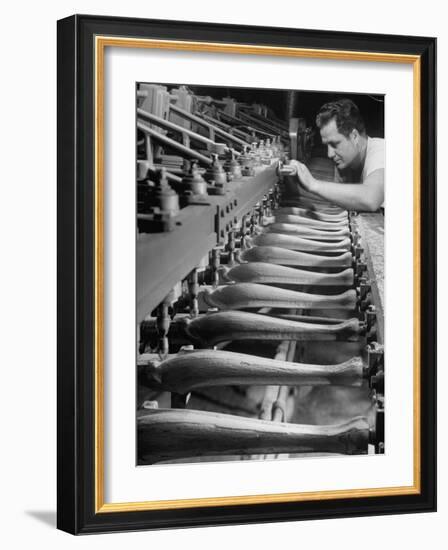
{"x": 377, "y": 433}
{"x": 375, "y": 366}
{"x": 360, "y": 268}
{"x": 357, "y": 251}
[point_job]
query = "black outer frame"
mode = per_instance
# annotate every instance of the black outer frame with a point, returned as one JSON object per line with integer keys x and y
{"x": 75, "y": 385}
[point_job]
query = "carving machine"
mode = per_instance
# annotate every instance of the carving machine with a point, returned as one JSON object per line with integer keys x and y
{"x": 259, "y": 309}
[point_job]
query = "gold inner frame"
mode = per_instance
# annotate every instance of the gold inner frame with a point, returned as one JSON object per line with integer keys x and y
{"x": 101, "y": 42}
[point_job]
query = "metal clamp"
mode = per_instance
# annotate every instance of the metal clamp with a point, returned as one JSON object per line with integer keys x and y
{"x": 377, "y": 433}
{"x": 375, "y": 366}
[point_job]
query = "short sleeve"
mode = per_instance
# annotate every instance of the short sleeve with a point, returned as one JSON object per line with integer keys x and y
{"x": 375, "y": 158}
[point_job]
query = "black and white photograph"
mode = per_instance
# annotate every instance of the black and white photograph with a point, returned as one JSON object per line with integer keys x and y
{"x": 246, "y": 237}
{"x": 259, "y": 273}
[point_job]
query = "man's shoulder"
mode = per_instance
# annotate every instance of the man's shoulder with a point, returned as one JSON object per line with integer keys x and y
{"x": 375, "y": 157}
{"x": 376, "y": 144}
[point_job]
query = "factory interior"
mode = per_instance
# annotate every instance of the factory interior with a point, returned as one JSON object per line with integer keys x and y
{"x": 259, "y": 306}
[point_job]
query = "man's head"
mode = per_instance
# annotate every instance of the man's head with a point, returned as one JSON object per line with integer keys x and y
{"x": 342, "y": 129}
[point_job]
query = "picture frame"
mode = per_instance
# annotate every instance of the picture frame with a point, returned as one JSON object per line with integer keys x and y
{"x": 82, "y": 41}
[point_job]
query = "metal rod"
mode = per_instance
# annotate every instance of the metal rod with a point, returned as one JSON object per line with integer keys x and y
{"x": 172, "y": 126}
{"x": 168, "y": 141}
{"x": 227, "y": 127}
{"x": 201, "y": 121}
{"x": 277, "y": 124}
{"x": 262, "y": 123}
{"x": 237, "y": 120}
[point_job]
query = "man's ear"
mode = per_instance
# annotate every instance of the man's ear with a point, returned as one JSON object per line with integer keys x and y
{"x": 354, "y": 135}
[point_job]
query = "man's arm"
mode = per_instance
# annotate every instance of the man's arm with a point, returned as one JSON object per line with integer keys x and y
{"x": 366, "y": 196}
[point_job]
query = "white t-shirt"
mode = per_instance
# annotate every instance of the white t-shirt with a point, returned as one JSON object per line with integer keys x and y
{"x": 374, "y": 157}
{"x": 375, "y": 160}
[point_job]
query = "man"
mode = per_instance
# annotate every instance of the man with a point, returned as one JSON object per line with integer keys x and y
{"x": 358, "y": 159}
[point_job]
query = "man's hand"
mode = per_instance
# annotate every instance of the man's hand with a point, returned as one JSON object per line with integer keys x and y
{"x": 305, "y": 178}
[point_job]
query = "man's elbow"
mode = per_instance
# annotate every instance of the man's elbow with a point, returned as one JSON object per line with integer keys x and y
{"x": 371, "y": 205}
{"x": 373, "y": 196}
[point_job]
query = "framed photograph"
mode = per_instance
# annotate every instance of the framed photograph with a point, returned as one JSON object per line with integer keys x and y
{"x": 246, "y": 274}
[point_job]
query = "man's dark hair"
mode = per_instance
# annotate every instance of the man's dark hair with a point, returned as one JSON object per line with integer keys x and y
{"x": 346, "y": 115}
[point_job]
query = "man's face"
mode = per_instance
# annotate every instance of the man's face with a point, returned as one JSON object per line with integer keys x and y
{"x": 342, "y": 150}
